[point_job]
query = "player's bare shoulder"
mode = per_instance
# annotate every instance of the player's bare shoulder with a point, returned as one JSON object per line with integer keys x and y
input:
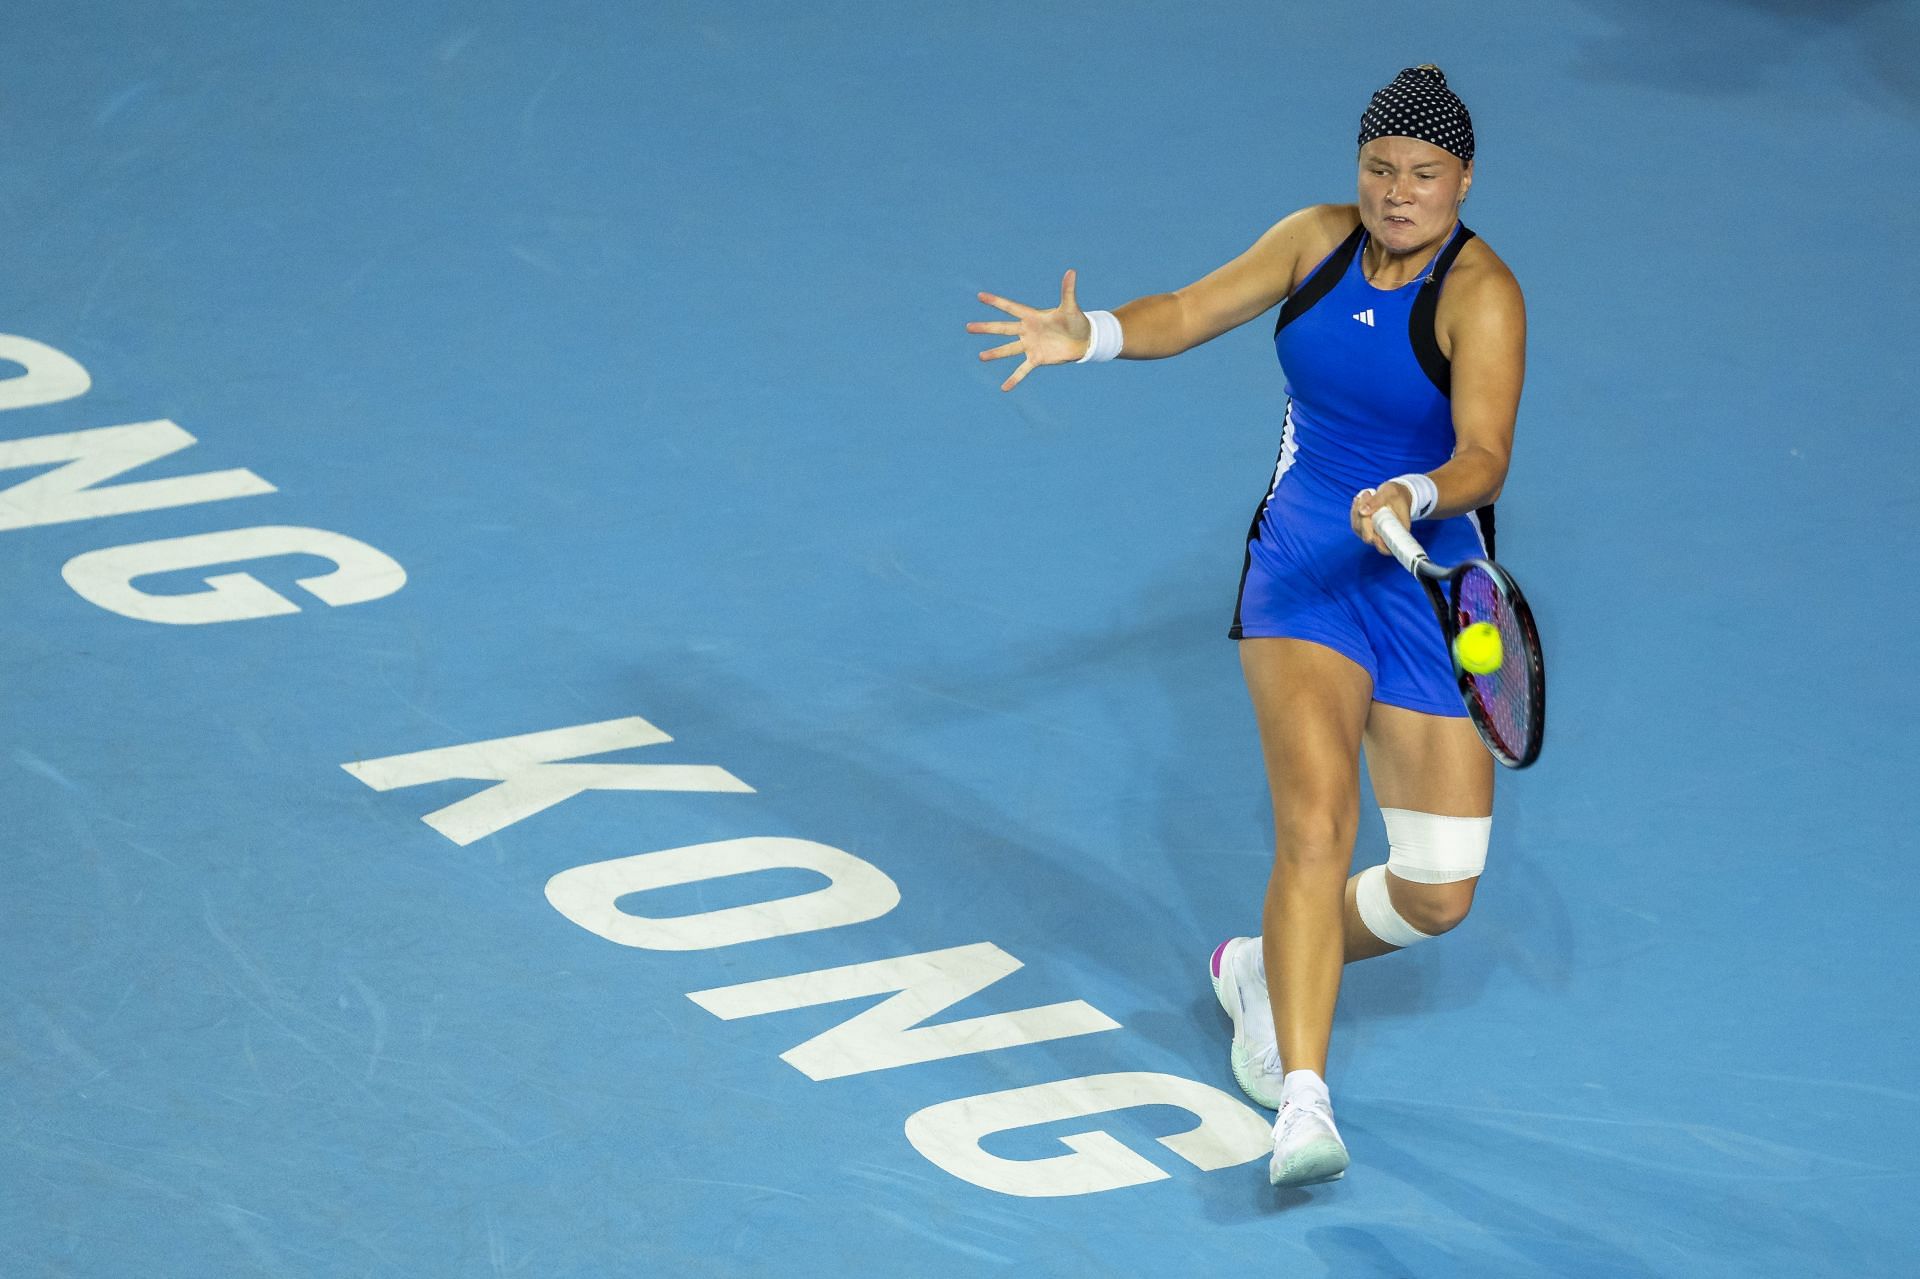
{"x": 1269, "y": 272}
{"x": 1317, "y": 230}
{"x": 1481, "y": 279}
{"x": 1481, "y": 295}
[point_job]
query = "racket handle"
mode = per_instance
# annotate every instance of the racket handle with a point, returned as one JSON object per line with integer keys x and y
{"x": 1409, "y": 552}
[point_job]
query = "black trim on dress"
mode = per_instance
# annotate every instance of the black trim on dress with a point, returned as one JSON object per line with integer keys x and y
{"x": 1253, "y": 531}
{"x": 1426, "y": 307}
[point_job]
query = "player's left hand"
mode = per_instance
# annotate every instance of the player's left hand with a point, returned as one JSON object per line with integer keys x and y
{"x": 1393, "y": 497}
{"x": 1059, "y": 336}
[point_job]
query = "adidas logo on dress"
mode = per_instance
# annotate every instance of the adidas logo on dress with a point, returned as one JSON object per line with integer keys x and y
{"x": 1365, "y": 317}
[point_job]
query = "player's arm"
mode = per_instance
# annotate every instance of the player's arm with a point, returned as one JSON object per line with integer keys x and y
{"x": 1488, "y": 328}
{"x": 1165, "y": 324}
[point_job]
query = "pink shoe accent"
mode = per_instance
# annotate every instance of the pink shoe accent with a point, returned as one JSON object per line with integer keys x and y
{"x": 1218, "y": 951}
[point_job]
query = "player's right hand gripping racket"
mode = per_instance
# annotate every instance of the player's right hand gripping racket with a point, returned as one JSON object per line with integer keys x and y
{"x": 1509, "y": 703}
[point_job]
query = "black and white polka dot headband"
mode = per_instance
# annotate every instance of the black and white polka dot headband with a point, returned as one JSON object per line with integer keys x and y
{"x": 1418, "y": 104}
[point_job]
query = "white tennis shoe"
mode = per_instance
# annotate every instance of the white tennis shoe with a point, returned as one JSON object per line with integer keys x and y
{"x": 1306, "y": 1146}
{"x": 1240, "y": 984}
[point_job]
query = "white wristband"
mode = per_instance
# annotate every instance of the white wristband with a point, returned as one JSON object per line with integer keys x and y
{"x": 1106, "y": 339}
{"x": 1425, "y": 493}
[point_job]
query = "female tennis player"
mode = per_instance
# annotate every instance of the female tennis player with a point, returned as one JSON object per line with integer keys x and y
{"x": 1403, "y": 342}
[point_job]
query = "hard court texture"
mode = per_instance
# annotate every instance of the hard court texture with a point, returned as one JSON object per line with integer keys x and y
{"x": 631, "y": 335}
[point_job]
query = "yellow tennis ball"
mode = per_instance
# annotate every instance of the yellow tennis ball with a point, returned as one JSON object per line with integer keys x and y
{"x": 1478, "y": 649}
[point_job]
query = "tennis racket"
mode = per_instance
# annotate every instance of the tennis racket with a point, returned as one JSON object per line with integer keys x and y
{"x": 1508, "y": 704}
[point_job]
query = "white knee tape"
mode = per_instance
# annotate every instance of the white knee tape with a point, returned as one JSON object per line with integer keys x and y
{"x": 1428, "y": 848}
{"x": 1378, "y": 914}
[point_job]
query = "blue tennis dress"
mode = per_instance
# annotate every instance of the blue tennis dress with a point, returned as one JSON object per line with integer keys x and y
{"x": 1367, "y": 399}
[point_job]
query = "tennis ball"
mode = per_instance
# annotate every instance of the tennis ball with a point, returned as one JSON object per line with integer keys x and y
{"x": 1478, "y": 649}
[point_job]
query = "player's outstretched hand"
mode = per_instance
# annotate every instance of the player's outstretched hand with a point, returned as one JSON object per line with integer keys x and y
{"x": 1388, "y": 497}
{"x": 1059, "y": 336}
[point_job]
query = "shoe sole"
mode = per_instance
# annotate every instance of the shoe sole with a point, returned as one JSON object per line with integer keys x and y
{"x": 1313, "y": 1163}
{"x": 1230, "y": 1004}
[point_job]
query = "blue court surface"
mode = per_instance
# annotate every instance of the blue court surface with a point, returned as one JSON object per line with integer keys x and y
{"x": 738, "y": 795}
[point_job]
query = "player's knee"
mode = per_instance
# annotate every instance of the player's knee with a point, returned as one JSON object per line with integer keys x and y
{"x": 1308, "y": 839}
{"x": 1426, "y": 887}
{"x": 1435, "y": 908}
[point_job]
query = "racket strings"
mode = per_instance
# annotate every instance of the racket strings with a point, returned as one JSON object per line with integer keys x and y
{"x": 1506, "y": 693}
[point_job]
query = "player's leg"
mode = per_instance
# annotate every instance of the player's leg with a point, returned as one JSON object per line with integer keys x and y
{"x": 1433, "y": 779}
{"x": 1436, "y": 908}
{"x": 1426, "y": 769}
{"x": 1309, "y": 676}
{"x": 1431, "y": 773}
{"x": 1311, "y": 704}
